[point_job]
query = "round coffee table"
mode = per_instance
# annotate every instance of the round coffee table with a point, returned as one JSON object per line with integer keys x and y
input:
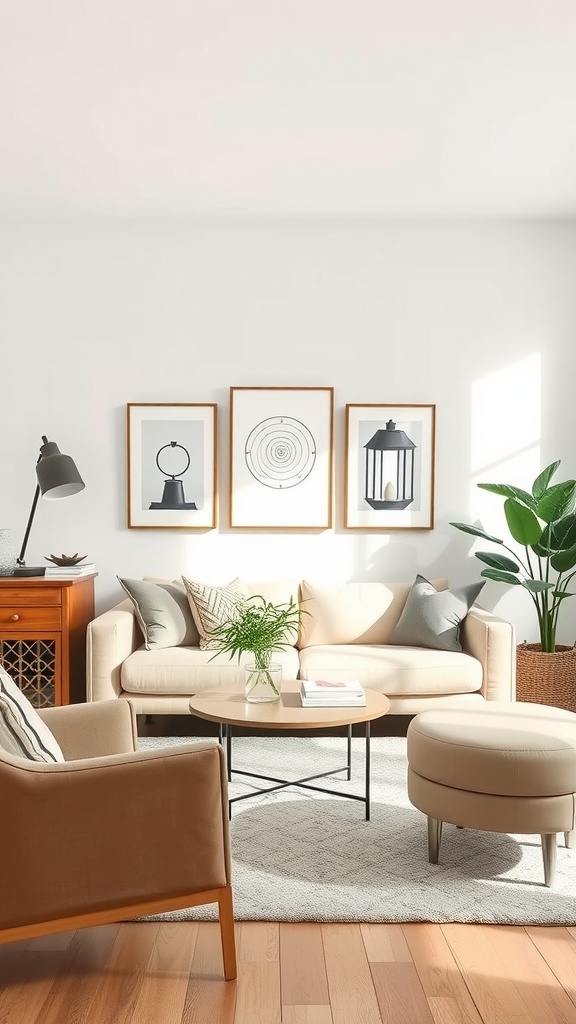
{"x": 229, "y": 708}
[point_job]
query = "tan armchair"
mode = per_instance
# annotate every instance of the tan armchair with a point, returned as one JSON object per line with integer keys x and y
{"x": 112, "y": 833}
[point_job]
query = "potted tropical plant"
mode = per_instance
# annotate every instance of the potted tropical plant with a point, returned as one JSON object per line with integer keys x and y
{"x": 259, "y": 627}
{"x": 542, "y": 522}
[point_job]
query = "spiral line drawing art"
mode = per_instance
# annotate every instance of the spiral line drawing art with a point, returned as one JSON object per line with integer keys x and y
{"x": 280, "y": 452}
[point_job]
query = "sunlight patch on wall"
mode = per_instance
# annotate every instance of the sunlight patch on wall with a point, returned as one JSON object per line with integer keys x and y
{"x": 506, "y": 434}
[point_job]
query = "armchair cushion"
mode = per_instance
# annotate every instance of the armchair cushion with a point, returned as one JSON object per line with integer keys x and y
{"x": 431, "y": 618}
{"x": 22, "y": 731}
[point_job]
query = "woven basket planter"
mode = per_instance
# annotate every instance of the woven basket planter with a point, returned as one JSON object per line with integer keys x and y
{"x": 546, "y": 678}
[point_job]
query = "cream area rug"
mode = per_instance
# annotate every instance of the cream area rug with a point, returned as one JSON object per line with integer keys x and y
{"x": 303, "y": 856}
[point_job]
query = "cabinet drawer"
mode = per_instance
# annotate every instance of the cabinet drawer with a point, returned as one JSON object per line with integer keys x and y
{"x": 34, "y": 596}
{"x": 18, "y": 617}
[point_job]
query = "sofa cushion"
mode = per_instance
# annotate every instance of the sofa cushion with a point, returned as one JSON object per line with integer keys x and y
{"x": 354, "y": 613}
{"x": 188, "y": 670}
{"x": 162, "y": 612}
{"x": 432, "y": 618}
{"x": 212, "y": 607}
{"x": 404, "y": 671}
{"x": 22, "y": 731}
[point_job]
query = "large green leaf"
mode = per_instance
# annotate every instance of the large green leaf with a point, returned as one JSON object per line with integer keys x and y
{"x": 542, "y": 481}
{"x": 500, "y": 577}
{"x": 475, "y": 532}
{"x": 564, "y": 560}
{"x": 522, "y": 523}
{"x": 537, "y": 586}
{"x": 497, "y": 561}
{"x": 564, "y": 533}
{"x": 557, "y": 501}
{"x": 507, "y": 491}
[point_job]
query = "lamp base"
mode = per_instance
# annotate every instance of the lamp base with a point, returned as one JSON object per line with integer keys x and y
{"x": 29, "y": 570}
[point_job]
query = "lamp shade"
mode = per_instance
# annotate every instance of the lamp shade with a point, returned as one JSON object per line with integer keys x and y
{"x": 57, "y": 474}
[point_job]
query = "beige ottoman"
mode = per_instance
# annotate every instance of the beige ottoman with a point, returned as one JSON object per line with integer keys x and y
{"x": 502, "y": 768}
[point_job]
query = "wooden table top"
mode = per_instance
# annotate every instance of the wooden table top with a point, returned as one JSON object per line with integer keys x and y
{"x": 229, "y": 706}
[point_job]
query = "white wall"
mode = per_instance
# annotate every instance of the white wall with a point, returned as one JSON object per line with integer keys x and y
{"x": 475, "y": 317}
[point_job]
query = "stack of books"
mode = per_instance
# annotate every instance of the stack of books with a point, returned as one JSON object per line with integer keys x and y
{"x": 320, "y": 693}
{"x": 67, "y": 572}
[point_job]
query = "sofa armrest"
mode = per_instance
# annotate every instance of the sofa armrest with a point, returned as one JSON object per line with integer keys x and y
{"x": 93, "y": 730}
{"x": 110, "y": 638}
{"x": 492, "y": 641}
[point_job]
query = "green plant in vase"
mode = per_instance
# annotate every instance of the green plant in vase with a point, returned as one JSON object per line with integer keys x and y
{"x": 259, "y": 627}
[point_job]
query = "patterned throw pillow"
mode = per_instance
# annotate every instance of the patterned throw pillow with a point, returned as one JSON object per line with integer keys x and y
{"x": 432, "y": 618}
{"x": 212, "y": 606}
{"x": 22, "y": 731}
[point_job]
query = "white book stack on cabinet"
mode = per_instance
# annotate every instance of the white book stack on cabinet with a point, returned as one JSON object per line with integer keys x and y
{"x": 324, "y": 693}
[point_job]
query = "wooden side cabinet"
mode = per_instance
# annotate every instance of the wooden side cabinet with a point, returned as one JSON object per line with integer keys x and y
{"x": 43, "y": 636}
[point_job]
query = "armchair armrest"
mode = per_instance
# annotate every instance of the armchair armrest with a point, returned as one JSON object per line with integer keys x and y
{"x": 93, "y": 730}
{"x": 89, "y": 835}
{"x": 492, "y": 640}
{"x": 110, "y": 638}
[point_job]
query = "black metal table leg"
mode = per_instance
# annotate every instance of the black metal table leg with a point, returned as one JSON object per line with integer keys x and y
{"x": 367, "y": 776}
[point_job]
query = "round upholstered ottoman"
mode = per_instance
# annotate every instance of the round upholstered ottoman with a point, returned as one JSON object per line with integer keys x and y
{"x": 499, "y": 768}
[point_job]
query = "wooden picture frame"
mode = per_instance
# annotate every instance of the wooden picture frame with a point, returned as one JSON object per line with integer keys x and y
{"x": 172, "y": 465}
{"x": 389, "y": 471}
{"x": 281, "y": 457}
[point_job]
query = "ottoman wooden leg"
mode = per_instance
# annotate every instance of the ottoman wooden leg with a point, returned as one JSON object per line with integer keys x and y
{"x": 549, "y": 857}
{"x": 434, "y": 839}
{"x": 570, "y": 839}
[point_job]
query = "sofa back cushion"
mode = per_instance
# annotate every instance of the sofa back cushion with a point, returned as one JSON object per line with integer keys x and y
{"x": 354, "y": 613}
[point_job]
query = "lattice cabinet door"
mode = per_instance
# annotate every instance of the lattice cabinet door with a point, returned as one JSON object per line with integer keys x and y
{"x": 35, "y": 664}
{"x": 43, "y": 636}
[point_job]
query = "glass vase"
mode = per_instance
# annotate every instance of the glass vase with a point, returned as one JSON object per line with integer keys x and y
{"x": 8, "y": 554}
{"x": 263, "y": 683}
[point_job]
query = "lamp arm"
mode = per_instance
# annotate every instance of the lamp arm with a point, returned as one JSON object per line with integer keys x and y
{"x": 20, "y": 559}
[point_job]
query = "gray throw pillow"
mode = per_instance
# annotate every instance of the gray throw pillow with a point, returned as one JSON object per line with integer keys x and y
{"x": 432, "y": 618}
{"x": 163, "y": 613}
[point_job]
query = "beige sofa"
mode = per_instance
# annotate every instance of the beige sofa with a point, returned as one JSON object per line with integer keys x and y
{"x": 345, "y": 634}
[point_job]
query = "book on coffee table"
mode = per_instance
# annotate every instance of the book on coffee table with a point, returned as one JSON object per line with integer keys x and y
{"x": 322, "y": 693}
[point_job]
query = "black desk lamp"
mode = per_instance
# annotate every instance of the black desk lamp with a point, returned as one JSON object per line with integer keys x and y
{"x": 57, "y": 478}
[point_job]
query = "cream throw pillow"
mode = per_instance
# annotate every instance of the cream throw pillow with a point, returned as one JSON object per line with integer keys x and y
{"x": 212, "y": 606}
{"x": 355, "y": 613}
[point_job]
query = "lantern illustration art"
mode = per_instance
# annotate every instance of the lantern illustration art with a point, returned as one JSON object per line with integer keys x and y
{"x": 173, "y": 494}
{"x": 389, "y": 469}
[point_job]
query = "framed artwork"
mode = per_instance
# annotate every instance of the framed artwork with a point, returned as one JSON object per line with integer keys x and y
{"x": 389, "y": 474}
{"x": 172, "y": 477}
{"x": 281, "y": 461}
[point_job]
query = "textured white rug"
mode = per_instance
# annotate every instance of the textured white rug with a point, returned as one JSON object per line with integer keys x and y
{"x": 301, "y": 856}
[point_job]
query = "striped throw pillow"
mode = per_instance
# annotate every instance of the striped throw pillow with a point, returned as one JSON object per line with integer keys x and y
{"x": 22, "y": 731}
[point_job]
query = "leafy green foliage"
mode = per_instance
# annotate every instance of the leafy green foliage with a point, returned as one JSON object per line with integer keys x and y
{"x": 543, "y": 523}
{"x": 260, "y": 627}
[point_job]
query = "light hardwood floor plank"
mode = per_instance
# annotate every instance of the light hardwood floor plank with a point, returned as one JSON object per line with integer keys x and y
{"x": 303, "y": 977}
{"x": 400, "y": 995}
{"x": 439, "y": 973}
{"x": 497, "y": 977}
{"x": 119, "y": 988}
{"x": 28, "y": 985}
{"x": 258, "y": 995}
{"x": 352, "y": 996}
{"x": 209, "y": 999}
{"x": 73, "y": 991}
{"x": 558, "y": 947}
{"x": 258, "y": 940}
{"x": 163, "y": 992}
{"x": 385, "y": 943}
{"x": 307, "y": 1015}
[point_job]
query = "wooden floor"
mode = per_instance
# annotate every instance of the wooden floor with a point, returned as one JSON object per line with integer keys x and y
{"x": 293, "y": 973}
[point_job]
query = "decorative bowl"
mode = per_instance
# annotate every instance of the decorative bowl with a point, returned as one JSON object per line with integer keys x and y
{"x": 65, "y": 559}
